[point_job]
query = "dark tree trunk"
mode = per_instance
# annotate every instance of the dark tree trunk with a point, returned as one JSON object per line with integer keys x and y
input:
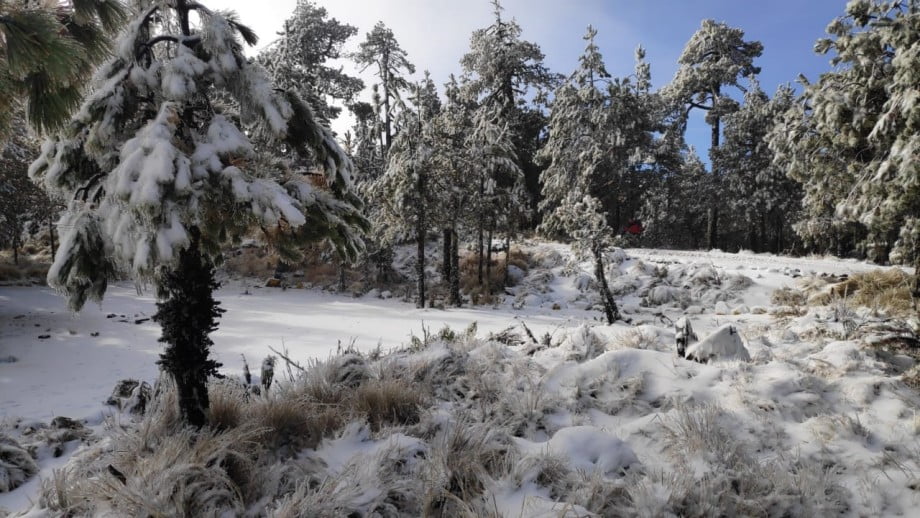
{"x": 713, "y": 213}
{"x": 507, "y": 259}
{"x": 51, "y": 235}
{"x": 489, "y": 259}
{"x": 15, "y": 249}
{"x": 445, "y": 255}
{"x": 343, "y": 276}
{"x": 481, "y": 224}
{"x": 610, "y": 306}
{"x": 455, "y": 298}
{"x": 916, "y": 284}
{"x": 187, "y": 313}
{"x": 420, "y": 238}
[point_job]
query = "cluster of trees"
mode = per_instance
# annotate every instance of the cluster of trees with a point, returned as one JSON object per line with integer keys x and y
{"x": 183, "y": 145}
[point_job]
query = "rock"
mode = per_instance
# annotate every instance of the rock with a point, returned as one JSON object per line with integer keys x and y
{"x": 758, "y": 310}
{"x": 131, "y": 396}
{"x": 386, "y": 294}
{"x": 684, "y": 335}
{"x": 694, "y": 310}
{"x": 741, "y": 310}
{"x": 515, "y": 274}
{"x": 44, "y": 337}
{"x": 65, "y": 423}
{"x": 722, "y": 308}
{"x": 273, "y": 283}
{"x": 16, "y": 465}
{"x": 724, "y": 344}
{"x": 556, "y": 306}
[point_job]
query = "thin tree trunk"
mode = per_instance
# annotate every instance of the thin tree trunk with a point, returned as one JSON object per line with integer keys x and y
{"x": 610, "y": 306}
{"x": 455, "y": 298}
{"x": 445, "y": 254}
{"x": 16, "y": 249}
{"x": 489, "y": 260}
{"x": 507, "y": 259}
{"x": 51, "y": 235}
{"x": 916, "y": 286}
{"x": 480, "y": 225}
{"x": 713, "y": 213}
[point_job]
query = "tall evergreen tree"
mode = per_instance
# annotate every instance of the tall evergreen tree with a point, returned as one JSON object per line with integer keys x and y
{"x": 381, "y": 50}
{"x": 581, "y": 131}
{"x": 763, "y": 202}
{"x": 852, "y": 141}
{"x": 299, "y": 59}
{"x": 404, "y": 191}
{"x": 716, "y": 56}
{"x": 504, "y": 72}
{"x": 159, "y": 177}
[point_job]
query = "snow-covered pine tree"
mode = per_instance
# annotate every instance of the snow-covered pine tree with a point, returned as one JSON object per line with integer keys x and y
{"x": 507, "y": 73}
{"x": 674, "y": 208}
{"x": 403, "y": 191}
{"x": 298, "y": 59}
{"x": 451, "y": 183}
{"x": 763, "y": 202}
{"x": 159, "y": 176}
{"x": 577, "y": 151}
{"x": 715, "y": 57}
{"x": 46, "y": 52}
{"x": 381, "y": 50}
{"x": 860, "y": 157}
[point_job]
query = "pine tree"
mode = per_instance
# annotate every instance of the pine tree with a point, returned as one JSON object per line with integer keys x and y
{"x": 403, "y": 191}
{"x": 581, "y": 131}
{"x": 506, "y": 75}
{"x": 160, "y": 177}
{"x": 857, "y": 160}
{"x": 45, "y": 53}
{"x": 715, "y": 57}
{"x": 675, "y": 207}
{"x": 381, "y": 50}
{"x": 299, "y": 59}
{"x": 763, "y": 202}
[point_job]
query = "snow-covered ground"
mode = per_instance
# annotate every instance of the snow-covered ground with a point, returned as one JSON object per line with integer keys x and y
{"x": 814, "y": 399}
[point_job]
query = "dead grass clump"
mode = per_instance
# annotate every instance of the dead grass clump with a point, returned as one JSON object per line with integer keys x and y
{"x": 637, "y": 338}
{"x": 879, "y": 289}
{"x": 227, "y": 404}
{"x": 788, "y": 297}
{"x": 16, "y": 465}
{"x": 491, "y": 287}
{"x": 389, "y": 402}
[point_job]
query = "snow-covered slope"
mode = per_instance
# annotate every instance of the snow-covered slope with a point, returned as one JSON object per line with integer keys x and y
{"x": 816, "y": 421}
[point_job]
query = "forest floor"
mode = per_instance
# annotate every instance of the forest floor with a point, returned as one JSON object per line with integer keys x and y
{"x": 562, "y": 414}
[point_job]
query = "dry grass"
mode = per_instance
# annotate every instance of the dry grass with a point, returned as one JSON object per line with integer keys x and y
{"x": 469, "y": 274}
{"x": 888, "y": 290}
{"x": 28, "y": 268}
{"x": 389, "y": 402}
{"x": 788, "y": 297}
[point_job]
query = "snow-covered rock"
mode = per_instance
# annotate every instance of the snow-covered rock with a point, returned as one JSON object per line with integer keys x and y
{"x": 515, "y": 274}
{"x": 16, "y": 465}
{"x": 724, "y": 344}
{"x": 722, "y": 308}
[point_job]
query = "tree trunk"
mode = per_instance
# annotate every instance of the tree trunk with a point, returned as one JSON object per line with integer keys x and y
{"x": 385, "y": 80}
{"x": 342, "y": 276}
{"x": 480, "y": 225}
{"x": 420, "y": 238}
{"x": 455, "y": 298}
{"x": 16, "y": 248}
{"x": 445, "y": 254}
{"x": 507, "y": 259}
{"x": 610, "y": 306}
{"x": 187, "y": 314}
{"x": 916, "y": 286}
{"x": 51, "y": 235}
{"x": 713, "y": 213}
{"x": 489, "y": 259}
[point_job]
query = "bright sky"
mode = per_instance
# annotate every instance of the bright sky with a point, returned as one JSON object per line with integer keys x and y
{"x": 436, "y": 33}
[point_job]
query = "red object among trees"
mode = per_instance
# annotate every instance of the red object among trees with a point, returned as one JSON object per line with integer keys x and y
{"x": 634, "y": 227}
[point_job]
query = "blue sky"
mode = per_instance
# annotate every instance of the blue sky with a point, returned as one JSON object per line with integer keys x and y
{"x": 436, "y": 33}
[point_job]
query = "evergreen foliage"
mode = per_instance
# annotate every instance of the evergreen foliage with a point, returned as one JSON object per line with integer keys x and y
{"x": 46, "y": 53}
{"x": 159, "y": 175}
{"x": 299, "y": 60}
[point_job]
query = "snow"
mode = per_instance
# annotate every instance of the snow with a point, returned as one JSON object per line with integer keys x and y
{"x": 604, "y": 397}
{"x": 724, "y": 344}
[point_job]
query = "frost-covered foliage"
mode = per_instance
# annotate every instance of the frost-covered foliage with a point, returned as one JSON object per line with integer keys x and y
{"x": 761, "y": 201}
{"x": 297, "y": 60}
{"x": 582, "y": 128}
{"x": 47, "y": 50}
{"x": 149, "y": 157}
{"x": 716, "y": 56}
{"x": 852, "y": 139}
{"x": 381, "y": 50}
{"x": 503, "y": 71}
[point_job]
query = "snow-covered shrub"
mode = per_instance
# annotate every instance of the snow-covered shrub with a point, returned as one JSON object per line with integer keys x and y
{"x": 661, "y": 295}
{"x": 130, "y": 396}
{"x": 389, "y": 402}
{"x": 16, "y": 465}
